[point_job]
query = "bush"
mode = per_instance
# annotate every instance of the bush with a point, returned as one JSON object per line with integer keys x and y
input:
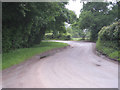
{"x": 110, "y": 33}
{"x": 108, "y": 40}
{"x": 58, "y": 37}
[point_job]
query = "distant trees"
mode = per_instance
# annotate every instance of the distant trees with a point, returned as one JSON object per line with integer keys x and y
{"x": 76, "y": 31}
{"x": 25, "y": 23}
{"x": 74, "y": 28}
{"x": 58, "y": 30}
{"x": 93, "y": 16}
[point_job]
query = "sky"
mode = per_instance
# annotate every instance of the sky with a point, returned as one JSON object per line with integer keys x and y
{"x": 75, "y": 6}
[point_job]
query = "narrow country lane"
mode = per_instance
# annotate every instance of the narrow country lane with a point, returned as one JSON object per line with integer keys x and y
{"x": 74, "y": 67}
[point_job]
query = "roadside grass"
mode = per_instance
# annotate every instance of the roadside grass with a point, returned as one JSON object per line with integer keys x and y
{"x": 20, "y": 55}
{"x": 107, "y": 51}
{"x": 76, "y": 39}
{"x": 80, "y": 39}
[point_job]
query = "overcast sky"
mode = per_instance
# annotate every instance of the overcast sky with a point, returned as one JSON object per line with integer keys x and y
{"x": 75, "y": 6}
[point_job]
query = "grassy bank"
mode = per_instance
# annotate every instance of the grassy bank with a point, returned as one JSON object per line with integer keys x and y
{"x": 76, "y": 39}
{"x": 80, "y": 39}
{"x": 108, "y": 51}
{"x": 20, "y": 55}
{"x": 108, "y": 40}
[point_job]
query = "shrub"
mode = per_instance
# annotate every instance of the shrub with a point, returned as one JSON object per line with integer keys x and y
{"x": 108, "y": 40}
{"x": 59, "y": 37}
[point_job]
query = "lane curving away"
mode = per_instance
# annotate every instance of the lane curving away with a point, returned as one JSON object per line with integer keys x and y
{"x": 74, "y": 67}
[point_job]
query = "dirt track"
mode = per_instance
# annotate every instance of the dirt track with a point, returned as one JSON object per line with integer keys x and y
{"x": 75, "y": 67}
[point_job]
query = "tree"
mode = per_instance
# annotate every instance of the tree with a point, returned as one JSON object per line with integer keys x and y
{"x": 94, "y": 16}
{"x": 25, "y": 23}
{"x": 72, "y": 18}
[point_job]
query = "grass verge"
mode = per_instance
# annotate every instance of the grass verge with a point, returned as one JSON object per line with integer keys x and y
{"x": 20, "y": 55}
{"x": 80, "y": 39}
{"x": 108, "y": 51}
{"x": 76, "y": 39}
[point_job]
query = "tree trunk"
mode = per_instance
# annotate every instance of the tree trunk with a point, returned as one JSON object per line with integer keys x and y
{"x": 40, "y": 35}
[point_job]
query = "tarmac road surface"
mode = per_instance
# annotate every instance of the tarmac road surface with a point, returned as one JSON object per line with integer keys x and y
{"x": 74, "y": 67}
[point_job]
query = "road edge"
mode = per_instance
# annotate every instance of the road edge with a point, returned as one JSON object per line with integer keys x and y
{"x": 103, "y": 56}
{"x": 36, "y": 57}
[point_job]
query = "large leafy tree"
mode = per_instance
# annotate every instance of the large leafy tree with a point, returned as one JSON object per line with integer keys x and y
{"x": 25, "y": 23}
{"x": 95, "y": 15}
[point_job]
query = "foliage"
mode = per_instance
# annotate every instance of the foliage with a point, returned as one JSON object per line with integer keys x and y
{"x": 20, "y": 55}
{"x": 25, "y": 23}
{"x": 58, "y": 28}
{"x": 77, "y": 32}
{"x": 110, "y": 33}
{"x": 108, "y": 40}
{"x": 58, "y": 37}
{"x": 71, "y": 17}
{"x": 59, "y": 25}
{"x": 108, "y": 51}
{"x": 95, "y": 15}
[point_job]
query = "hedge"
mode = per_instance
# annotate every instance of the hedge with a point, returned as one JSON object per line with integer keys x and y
{"x": 109, "y": 40}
